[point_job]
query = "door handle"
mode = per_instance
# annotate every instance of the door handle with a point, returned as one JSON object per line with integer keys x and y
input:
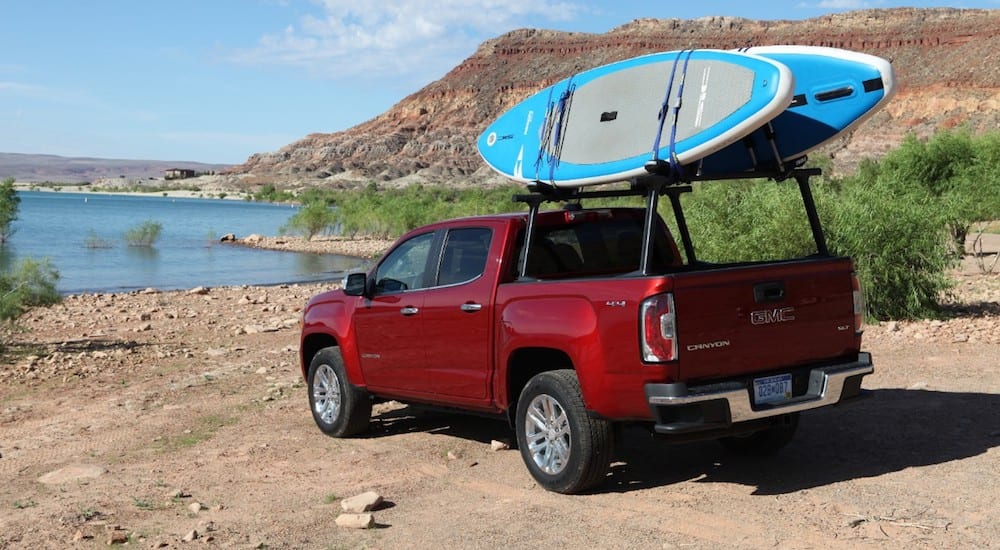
{"x": 409, "y": 310}
{"x": 471, "y": 307}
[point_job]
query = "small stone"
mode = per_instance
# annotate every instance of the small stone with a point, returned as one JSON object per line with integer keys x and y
{"x": 499, "y": 445}
{"x": 117, "y": 536}
{"x": 228, "y": 237}
{"x": 356, "y": 521}
{"x": 191, "y": 536}
{"x": 79, "y": 536}
{"x": 195, "y": 507}
{"x": 149, "y": 290}
{"x": 452, "y": 455}
{"x": 261, "y": 370}
{"x": 892, "y": 326}
{"x": 198, "y": 290}
{"x": 365, "y": 502}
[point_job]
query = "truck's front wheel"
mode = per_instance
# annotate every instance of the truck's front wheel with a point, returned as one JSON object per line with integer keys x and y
{"x": 339, "y": 408}
{"x": 565, "y": 449}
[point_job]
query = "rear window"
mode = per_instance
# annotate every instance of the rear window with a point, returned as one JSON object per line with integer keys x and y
{"x": 595, "y": 243}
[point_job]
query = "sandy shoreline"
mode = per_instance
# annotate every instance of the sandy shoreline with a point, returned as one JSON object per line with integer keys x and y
{"x": 91, "y": 190}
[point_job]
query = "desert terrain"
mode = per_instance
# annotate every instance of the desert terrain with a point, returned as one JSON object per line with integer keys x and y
{"x": 180, "y": 419}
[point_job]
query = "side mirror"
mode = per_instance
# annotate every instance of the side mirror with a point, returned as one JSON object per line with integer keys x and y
{"x": 355, "y": 284}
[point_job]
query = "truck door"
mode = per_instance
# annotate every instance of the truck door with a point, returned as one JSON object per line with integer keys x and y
{"x": 388, "y": 326}
{"x": 456, "y": 317}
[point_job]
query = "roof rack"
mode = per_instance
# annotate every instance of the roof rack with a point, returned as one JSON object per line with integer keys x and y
{"x": 656, "y": 184}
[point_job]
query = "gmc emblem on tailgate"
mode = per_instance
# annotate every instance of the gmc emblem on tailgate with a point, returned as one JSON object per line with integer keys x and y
{"x": 767, "y": 316}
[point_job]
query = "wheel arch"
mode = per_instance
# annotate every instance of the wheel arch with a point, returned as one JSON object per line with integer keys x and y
{"x": 310, "y": 346}
{"x": 526, "y": 363}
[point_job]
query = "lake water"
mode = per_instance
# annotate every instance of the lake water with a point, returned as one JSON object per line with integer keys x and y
{"x": 187, "y": 254}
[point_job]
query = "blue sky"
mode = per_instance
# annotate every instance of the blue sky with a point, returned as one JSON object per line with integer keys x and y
{"x": 218, "y": 80}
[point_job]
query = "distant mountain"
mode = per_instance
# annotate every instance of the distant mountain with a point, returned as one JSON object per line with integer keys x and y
{"x": 55, "y": 169}
{"x": 946, "y": 64}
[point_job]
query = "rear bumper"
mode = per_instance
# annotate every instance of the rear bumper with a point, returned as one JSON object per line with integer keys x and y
{"x": 721, "y": 407}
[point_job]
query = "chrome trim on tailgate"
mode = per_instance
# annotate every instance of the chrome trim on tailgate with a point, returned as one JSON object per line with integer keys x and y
{"x": 826, "y": 386}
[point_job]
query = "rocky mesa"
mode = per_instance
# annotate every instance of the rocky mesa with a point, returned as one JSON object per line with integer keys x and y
{"x": 947, "y": 63}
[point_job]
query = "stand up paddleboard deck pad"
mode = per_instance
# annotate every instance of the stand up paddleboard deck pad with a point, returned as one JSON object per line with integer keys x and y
{"x": 835, "y": 90}
{"x": 605, "y": 124}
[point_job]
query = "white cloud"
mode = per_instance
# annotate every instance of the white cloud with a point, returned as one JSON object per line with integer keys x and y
{"x": 412, "y": 39}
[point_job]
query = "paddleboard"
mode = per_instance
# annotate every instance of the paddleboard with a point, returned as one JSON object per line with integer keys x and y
{"x": 604, "y": 124}
{"x": 835, "y": 90}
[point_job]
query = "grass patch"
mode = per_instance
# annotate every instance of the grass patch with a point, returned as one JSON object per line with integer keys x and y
{"x": 145, "y": 234}
{"x": 330, "y": 498}
{"x": 142, "y": 504}
{"x": 206, "y": 428}
{"x": 26, "y": 503}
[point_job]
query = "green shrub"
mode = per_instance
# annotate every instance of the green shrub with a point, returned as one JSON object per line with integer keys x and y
{"x": 899, "y": 244}
{"x": 31, "y": 283}
{"x": 312, "y": 219}
{"x": 739, "y": 221}
{"x": 94, "y": 241}
{"x": 145, "y": 234}
{"x": 9, "y": 205}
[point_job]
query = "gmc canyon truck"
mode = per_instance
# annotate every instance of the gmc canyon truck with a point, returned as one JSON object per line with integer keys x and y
{"x": 602, "y": 319}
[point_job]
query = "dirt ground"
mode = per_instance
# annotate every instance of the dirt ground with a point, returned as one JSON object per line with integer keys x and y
{"x": 154, "y": 417}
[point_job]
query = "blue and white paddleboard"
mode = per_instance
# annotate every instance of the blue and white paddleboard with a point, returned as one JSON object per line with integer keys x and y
{"x": 604, "y": 124}
{"x": 835, "y": 90}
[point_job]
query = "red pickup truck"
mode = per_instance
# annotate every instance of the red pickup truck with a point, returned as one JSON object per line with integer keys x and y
{"x": 601, "y": 320}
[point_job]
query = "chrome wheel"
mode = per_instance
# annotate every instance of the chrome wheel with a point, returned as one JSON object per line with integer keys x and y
{"x": 326, "y": 394}
{"x": 546, "y": 428}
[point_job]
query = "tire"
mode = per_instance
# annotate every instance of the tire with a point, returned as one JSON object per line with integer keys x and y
{"x": 765, "y": 442}
{"x": 339, "y": 408}
{"x": 565, "y": 449}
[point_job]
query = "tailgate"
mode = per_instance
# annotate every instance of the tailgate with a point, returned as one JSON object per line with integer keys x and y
{"x": 744, "y": 320}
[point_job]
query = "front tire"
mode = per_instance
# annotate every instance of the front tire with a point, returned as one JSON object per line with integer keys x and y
{"x": 565, "y": 449}
{"x": 339, "y": 408}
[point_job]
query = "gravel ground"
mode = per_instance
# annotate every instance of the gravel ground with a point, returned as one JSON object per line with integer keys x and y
{"x": 153, "y": 418}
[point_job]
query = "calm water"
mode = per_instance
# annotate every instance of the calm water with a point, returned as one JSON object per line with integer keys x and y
{"x": 187, "y": 254}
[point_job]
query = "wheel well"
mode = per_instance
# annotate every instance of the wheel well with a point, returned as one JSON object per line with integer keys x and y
{"x": 311, "y": 346}
{"x": 524, "y": 364}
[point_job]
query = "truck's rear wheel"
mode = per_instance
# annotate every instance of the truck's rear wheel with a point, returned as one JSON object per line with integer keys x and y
{"x": 765, "y": 442}
{"x": 339, "y": 408}
{"x": 565, "y": 449}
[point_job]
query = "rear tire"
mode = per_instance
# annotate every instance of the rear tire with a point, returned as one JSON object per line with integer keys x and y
{"x": 339, "y": 408}
{"x": 765, "y": 442}
{"x": 565, "y": 449}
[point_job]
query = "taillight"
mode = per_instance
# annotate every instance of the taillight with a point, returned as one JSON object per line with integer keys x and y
{"x": 659, "y": 334}
{"x": 859, "y": 304}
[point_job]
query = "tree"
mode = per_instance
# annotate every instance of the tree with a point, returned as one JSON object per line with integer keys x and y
{"x": 31, "y": 283}
{"x": 9, "y": 204}
{"x": 314, "y": 218}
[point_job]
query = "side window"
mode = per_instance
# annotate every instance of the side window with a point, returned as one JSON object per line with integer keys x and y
{"x": 464, "y": 255}
{"x": 403, "y": 269}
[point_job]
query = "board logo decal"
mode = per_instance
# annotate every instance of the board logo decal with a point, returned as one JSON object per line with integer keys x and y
{"x": 609, "y": 116}
{"x": 491, "y": 139}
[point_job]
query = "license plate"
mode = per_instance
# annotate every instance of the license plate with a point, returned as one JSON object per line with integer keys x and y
{"x": 773, "y": 389}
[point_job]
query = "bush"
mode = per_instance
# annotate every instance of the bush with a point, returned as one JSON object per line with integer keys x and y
{"x": 144, "y": 234}
{"x": 900, "y": 246}
{"x": 31, "y": 283}
{"x": 9, "y": 205}
{"x": 312, "y": 219}
{"x": 739, "y": 221}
